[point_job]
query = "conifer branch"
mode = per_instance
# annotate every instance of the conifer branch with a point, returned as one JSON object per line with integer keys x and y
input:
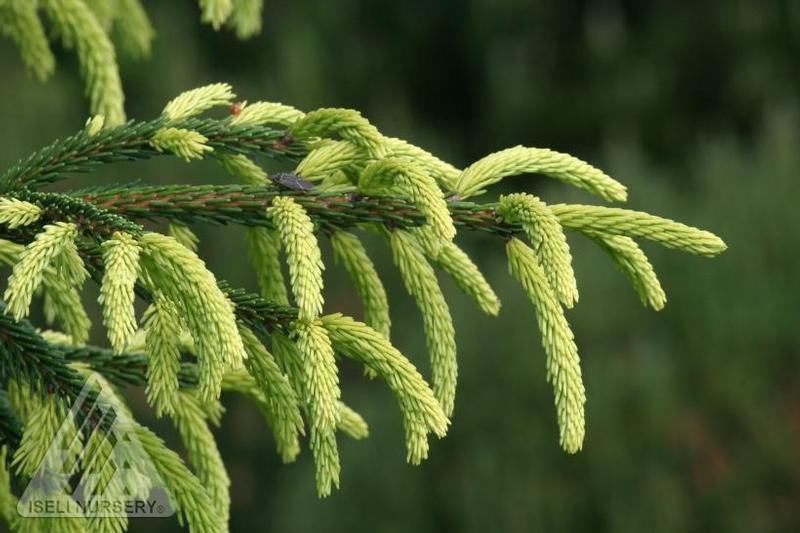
{"x": 130, "y": 142}
{"x": 201, "y": 336}
{"x": 245, "y": 205}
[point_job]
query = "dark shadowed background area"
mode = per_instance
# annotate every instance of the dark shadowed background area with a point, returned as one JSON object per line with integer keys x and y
{"x": 693, "y": 413}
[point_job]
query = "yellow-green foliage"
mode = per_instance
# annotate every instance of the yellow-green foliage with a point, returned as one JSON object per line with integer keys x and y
{"x": 15, "y": 213}
{"x": 616, "y": 221}
{"x": 420, "y": 281}
{"x": 69, "y": 265}
{"x": 184, "y": 235}
{"x": 8, "y": 502}
{"x": 260, "y": 113}
{"x": 101, "y": 482}
{"x": 520, "y": 160}
{"x": 176, "y": 272}
{"x": 87, "y": 26}
{"x": 121, "y": 259}
{"x": 321, "y": 390}
{"x": 264, "y": 248}
{"x": 79, "y": 28}
{"x": 103, "y": 11}
{"x": 55, "y": 524}
{"x": 327, "y": 157}
{"x": 278, "y": 396}
{"x": 61, "y": 301}
{"x": 162, "y": 328}
{"x": 243, "y": 168}
{"x": 289, "y": 359}
{"x": 216, "y": 12}
{"x": 389, "y": 175}
{"x": 19, "y": 21}
{"x": 349, "y": 250}
{"x": 133, "y": 30}
{"x": 630, "y": 258}
{"x": 302, "y": 253}
{"x": 422, "y": 413}
{"x": 548, "y": 240}
{"x": 201, "y": 337}
{"x": 9, "y": 252}
{"x": 563, "y": 363}
{"x": 351, "y": 423}
{"x": 94, "y": 124}
{"x": 45, "y": 421}
{"x": 186, "y": 144}
{"x": 469, "y": 278}
{"x": 246, "y": 17}
{"x": 196, "y": 101}
{"x": 444, "y": 173}
{"x": 191, "y": 420}
{"x": 188, "y": 495}
{"x": 346, "y": 123}
{"x": 55, "y": 240}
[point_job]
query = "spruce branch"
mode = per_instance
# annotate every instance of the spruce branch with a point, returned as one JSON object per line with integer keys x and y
{"x": 245, "y": 205}
{"x": 201, "y": 336}
{"x": 132, "y": 141}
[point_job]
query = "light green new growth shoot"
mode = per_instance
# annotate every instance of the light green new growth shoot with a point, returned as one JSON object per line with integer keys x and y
{"x": 19, "y": 21}
{"x": 15, "y": 213}
{"x": 264, "y": 248}
{"x": 188, "y": 495}
{"x": 630, "y": 258}
{"x": 349, "y": 250}
{"x": 243, "y": 168}
{"x": 548, "y": 239}
{"x": 79, "y": 28}
{"x": 33, "y": 260}
{"x": 469, "y": 278}
{"x": 321, "y": 389}
{"x": 87, "y": 26}
{"x": 121, "y": 259}
{"x": 351, "y": 423}
{"x": 422, "y": 413}
{"x": 197, "y": 101}
{"x": 184, "y": 235}
{"x": 346, "y": 123}
{"x": 186, "y": 144}
{"x": 261, "y": 113}
{"x": 520, "y": 160}
{"x": 420, "y": 281}
{"x": 563, "y": 364}
{"x": 279, "y": 397}
{"x": 176, "y": 272}
{"x": 616, "y": 221}
{"x": 162, "y": 328}
{"x": 393, "y": 174}
{"x": 191, "y": 421}
{"x": 302, "y": 253}
{"x": 246, "y": 17}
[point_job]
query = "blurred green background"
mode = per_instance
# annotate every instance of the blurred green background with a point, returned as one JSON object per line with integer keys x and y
{"x": 693, "y": 413}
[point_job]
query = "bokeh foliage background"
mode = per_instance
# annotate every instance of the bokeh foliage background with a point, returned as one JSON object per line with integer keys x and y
{"x": 693, "y": 413}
